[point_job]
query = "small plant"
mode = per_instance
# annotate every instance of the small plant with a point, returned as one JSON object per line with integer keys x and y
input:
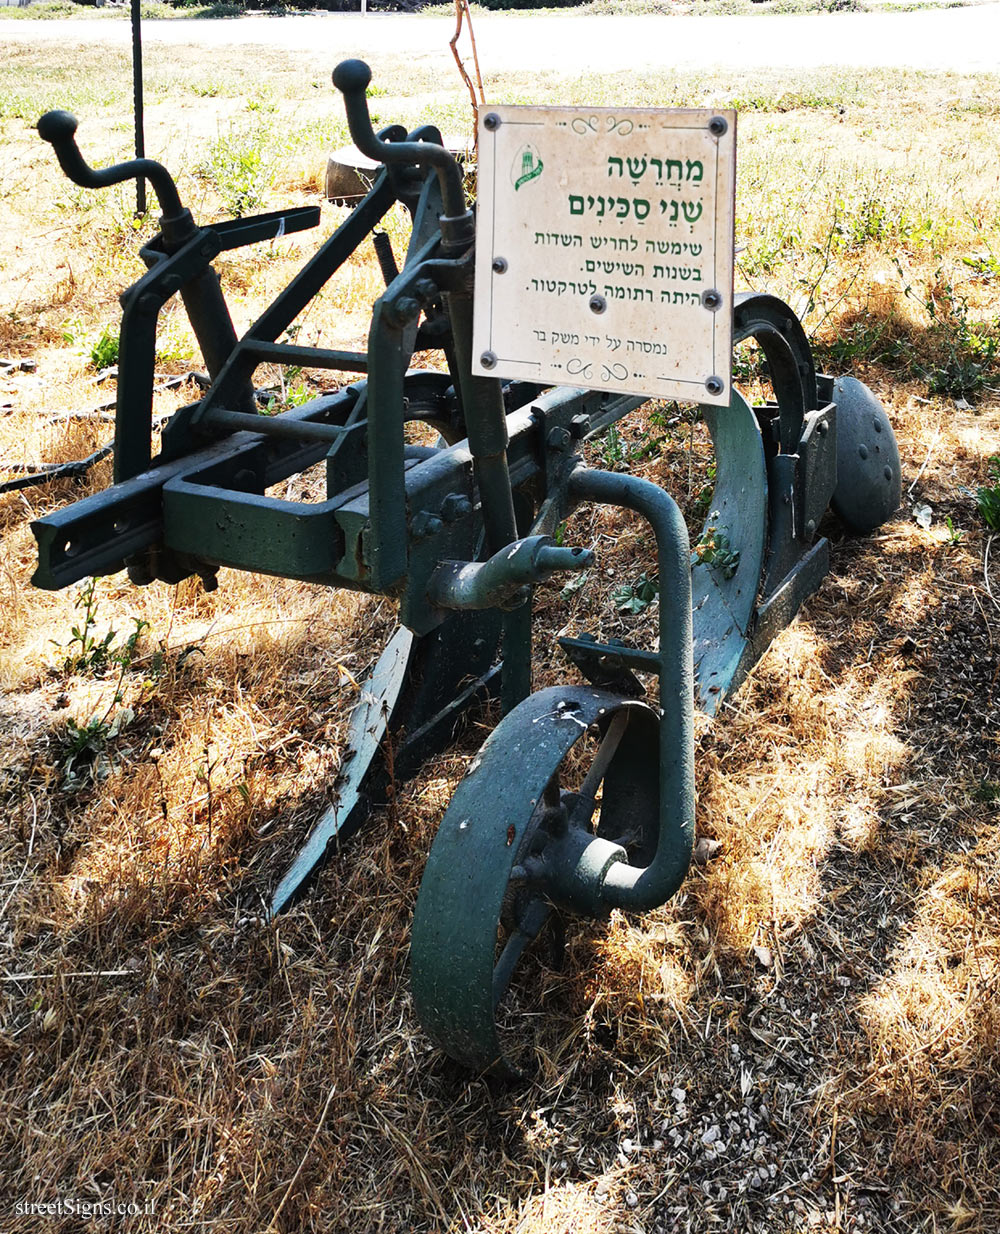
{"x": 970, "y": 349}
{"x": 955, "y": 534}
{"x": 714, "y": 549}
{"x": 104, "y": 350}
{"x": 87, "y": 652}
{"x": 988, "y": 497}
{"x": 634, "y": 597}
{"x": 240, "y": 166}
{"x": 613, "y": 449}
{"x": 83, "y": 754}
{"x": 705, "y": 494}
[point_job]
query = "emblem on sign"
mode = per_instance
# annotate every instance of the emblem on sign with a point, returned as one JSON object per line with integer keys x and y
{"x": 527, "y": 167}
{"x": 615, "y": 271}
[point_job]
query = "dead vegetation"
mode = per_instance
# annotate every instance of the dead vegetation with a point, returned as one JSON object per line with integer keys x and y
{"x": 805, "y": 1038}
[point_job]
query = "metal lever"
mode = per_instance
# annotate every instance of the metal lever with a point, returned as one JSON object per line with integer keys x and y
{"x": 58, "y": 128}
{"x": 352, "y": 78}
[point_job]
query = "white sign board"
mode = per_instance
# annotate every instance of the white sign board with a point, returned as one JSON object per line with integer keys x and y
{"x": 604, "y": 250}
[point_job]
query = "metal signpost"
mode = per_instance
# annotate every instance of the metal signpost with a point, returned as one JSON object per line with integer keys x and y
{"x": 608, "y": 253}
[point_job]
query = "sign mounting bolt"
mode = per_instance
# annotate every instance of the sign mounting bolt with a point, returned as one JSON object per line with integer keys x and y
{"x": 717, "y": 126}
{"x": 712, "y": 300}
{"x": 491, "y": 121}
{"x": 598, "y": 304}
{"x": 714, "y": 385}
{"x": 488, "y": 359}
{"x": 499, "y": 265}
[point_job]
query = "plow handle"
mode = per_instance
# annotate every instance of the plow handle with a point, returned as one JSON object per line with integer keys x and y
{"x": 58, "y": 129}
{"x": 352, "y": 78}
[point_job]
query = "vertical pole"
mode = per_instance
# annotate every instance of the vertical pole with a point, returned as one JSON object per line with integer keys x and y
{"x": 140, "y": 141}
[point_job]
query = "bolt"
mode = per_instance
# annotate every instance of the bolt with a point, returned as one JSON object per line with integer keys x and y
{"x": 810, "y": 527}
{"x": 717, "y": 126}
{"x": 454, "y": 507}
{"x": 559, "y": 438}
{"x": 714, "y": 385}
{"x": 712, "y": 299}
{"x": 863, "y": 451}
{"x": 404, "y": 310}
{"x": 425, "y": 524}
{"x": 426, "y": 288}
{"x": 598, "y": 304}
{"x": 499, "y": 265}
{"x": 887, "y": 473}
{"x": 878, "y": 425}
{"x": 491, "y": 121}
{"x": 823, "y": 428}
{"x": 488, "y": 359}
{"x": 579, "y": 426}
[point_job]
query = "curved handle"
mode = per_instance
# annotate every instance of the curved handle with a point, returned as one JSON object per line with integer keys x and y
{"x": 352, "y": 78}
{"x": 58, "y": 129}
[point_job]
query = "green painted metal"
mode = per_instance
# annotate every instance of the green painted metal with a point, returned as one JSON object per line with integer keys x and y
{"x": 869, "y": 476}
{"x": 495, "y": 844}
{"x": 459, "y": 533}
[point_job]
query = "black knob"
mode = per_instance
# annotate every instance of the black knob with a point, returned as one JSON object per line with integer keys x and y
{"x": 57, "y": 126}
{"x": 351, "y": 76}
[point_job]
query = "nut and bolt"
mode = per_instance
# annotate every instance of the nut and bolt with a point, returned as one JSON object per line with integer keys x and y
{"x": 712, "y": 299}
{"x": 454, "y": 507}
{"x": 491, "y": 121}
{"x": 717, "y": 126}
{"x": 405, "y": 310}
{"x": 598, "y": 304}
{"x": 425, "y": 524}
{"x": 488, "y": 359}
{"x": 499, "y": 265}
{"x": 714, "y": 385}
{"x": 579, "y": 426}
{"x": 559, "y": 438}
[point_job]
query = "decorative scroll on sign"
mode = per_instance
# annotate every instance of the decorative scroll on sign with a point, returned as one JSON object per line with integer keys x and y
{"x": 605, "y": 249}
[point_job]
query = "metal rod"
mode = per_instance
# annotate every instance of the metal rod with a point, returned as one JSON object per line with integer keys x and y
{"x": 140, "y": 139}
{"x": 273, "y": 426}
{"x": 627, "y": 886}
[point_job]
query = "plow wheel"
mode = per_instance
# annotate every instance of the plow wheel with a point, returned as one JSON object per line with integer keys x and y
{"x": 566, "y": 764}
{"x": 869, "y": 477}
{"x": 409, "y": 706}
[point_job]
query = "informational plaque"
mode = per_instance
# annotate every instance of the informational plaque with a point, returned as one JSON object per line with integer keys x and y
{"x": 604, "y": 253}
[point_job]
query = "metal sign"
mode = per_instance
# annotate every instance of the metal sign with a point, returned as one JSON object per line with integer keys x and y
{"x": 605, "y": 249}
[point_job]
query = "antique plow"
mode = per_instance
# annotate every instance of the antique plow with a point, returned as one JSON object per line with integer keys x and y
{"x": 582, "y": 798}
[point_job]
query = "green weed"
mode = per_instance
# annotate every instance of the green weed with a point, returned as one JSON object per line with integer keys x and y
{"x": 988, "y": 497}
{"x": 240, "y": 165}
{"x": 104, "y": 349}
{"x": 634, "y": 597}
{"x": 714, "y": 549}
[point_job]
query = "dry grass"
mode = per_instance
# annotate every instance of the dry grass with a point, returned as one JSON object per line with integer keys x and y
{"x": 821, "y": 999}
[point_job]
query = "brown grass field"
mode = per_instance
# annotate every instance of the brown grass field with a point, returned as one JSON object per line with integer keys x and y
{"x": 806, "y": 1038}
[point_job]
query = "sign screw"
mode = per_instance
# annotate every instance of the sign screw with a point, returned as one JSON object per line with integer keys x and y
{"x": 712, "y": 300}
{"x": 714, "y": 385}
{"x": 488, "y": 359}
{"x": 491, "y": 121}
{"x": 598, "y": 304}
{"x": 499, "y": 265}
{"x": 717, "y": 126}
